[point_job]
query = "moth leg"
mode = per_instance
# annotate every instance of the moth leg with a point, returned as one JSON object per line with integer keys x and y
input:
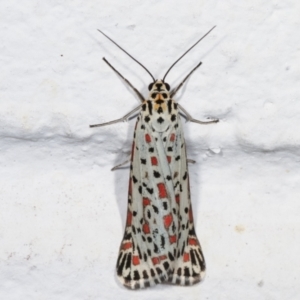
{"x": 127, "y": 81}
{"x": 120, "y": 165}
{"x": 184, "y": 80}
{"x": 191, "y": 119}
{"x": 191, "y": 161}
{"x": 123, "y": 119}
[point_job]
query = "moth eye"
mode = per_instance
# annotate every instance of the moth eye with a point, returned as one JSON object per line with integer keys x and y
{"x": 150, "y": 86}
{"x": 154, "y": 95}
{"x": 165, "y": 95}
{"x": 167, "y": 86}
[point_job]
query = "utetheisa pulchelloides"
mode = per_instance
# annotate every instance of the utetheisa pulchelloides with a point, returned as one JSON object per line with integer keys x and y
{"x": 159, "y": 243}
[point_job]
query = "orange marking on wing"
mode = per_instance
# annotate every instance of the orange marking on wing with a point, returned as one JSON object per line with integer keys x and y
{"x": 172, "y": 137}
{"x": 177, "y": 198}
{"x": 154, "y": 161}
{"x": 146, "y": 228}
{"x": 155, "y": 260}
{"x": 163, "y": 257}
{"x": 186, "y": 257}
{"x": 147, "y": 138}
{"x": 126, "y": 246}
{"x": 169, "y": 158}
{"x": 193, "y": 242}
{"x": 146, "y": 201}
{"x": 168, "y": 219}
{"x": 162, "y": 190}
{"x": 172, "y": 239}
{"x": 135, "y": 260}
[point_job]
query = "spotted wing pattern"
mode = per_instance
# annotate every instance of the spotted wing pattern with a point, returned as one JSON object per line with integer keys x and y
{"x": 159, "y": 243}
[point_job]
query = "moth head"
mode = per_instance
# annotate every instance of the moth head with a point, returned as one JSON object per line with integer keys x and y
{"x": 159, "y": 88}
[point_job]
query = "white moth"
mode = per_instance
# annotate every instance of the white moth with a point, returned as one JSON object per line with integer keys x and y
{"x": 160, "y": 243}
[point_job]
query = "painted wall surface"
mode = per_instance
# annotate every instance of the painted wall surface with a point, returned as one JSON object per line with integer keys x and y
{"x": 62, "y": 211}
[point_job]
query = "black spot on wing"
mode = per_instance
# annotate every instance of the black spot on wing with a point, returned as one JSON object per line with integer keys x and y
{"x": 136, "y": 275}
{"x": 171, "y": 257}
{"x": 165, "y": 205}
{"x": 150, "y": 191}
{"x": 145, "y": 274}
{"x": 139, "y": 251}
{"x": 128, "y": 261}
{"x": 163, "y": 242}
{"x": 184, "y": 176}
{"x": 166, "y": 265}
{"x": 150, "y": 107}
{"x": 173, "y": 118}
{"x": 156, "y": 174}
{"x": 169, "y": 106}
{"x": 143, "y": 161}
{"x": 186, "y": 272}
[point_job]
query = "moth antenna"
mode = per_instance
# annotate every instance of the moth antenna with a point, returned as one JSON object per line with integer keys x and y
{"x": 186, "y": 53}
{"x": 128, "y": 54}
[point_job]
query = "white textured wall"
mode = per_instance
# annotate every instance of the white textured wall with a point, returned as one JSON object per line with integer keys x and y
{"x": 62, "y": 210}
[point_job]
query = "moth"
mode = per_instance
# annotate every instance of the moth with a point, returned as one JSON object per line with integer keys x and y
{"x": 159, "y": 244}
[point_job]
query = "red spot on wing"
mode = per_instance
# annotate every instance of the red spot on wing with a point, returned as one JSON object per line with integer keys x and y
{"x": 186, "y": 257}
{"x": 162, "y": 190}
{"x": 146, "y": 228}
{"x": 193, "y": 242}
{"x": 135, "y": 260}
{"x": 146, "y": 201}
{"x": 126, "y": 246}
{"x": 177, "y": 198}
{"x": 147, "y": 138}
{"x": 155, "y": 260}
{"x": 129, "y": 218}
{"x": 169, "y": 158}
{"x": 163, "y": 257}
{"x": 154, "y": 161}
{"x": 172, "y": 137}
{"x": 168, "y": 219}
{"x": 172, "y": 239}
